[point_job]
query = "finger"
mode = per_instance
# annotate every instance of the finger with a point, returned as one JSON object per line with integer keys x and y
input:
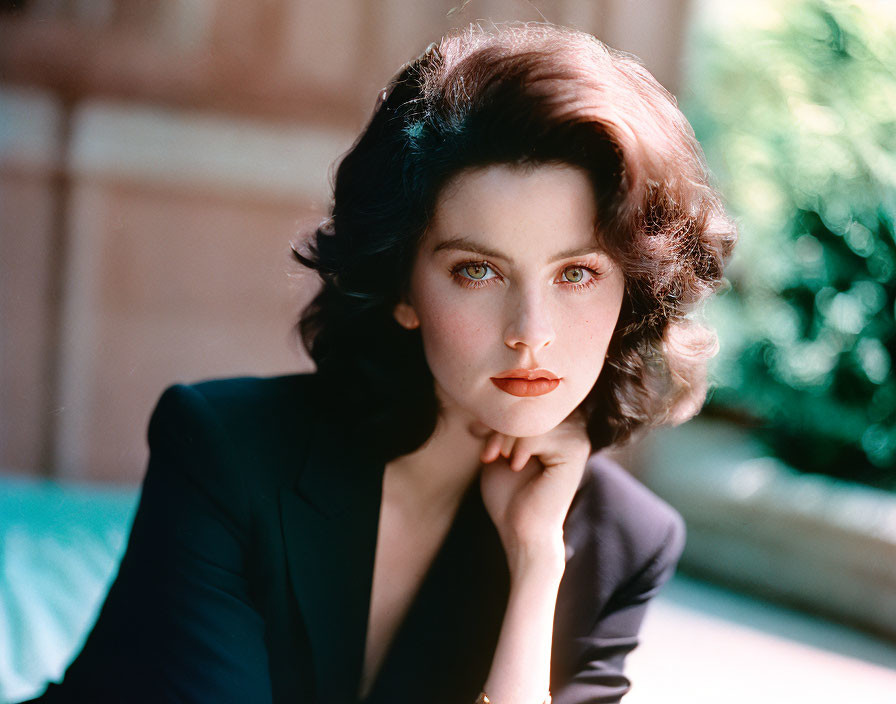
{"x": 507, "y": 445}
{"x": 492, "y": 448}
{"x": 520, "y": 457}
{"x": 524, "y": 450}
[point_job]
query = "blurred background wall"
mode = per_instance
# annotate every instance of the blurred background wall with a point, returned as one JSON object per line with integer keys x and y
{"x": 156, "y": 161}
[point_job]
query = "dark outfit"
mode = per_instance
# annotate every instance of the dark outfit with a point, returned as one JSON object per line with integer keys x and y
{"x": 248, "y": 571}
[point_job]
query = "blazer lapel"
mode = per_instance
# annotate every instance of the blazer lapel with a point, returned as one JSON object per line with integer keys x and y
{"x": 330, "y": 522}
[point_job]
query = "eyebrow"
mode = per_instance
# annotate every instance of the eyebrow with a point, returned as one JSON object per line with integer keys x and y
{"x": 465, "y": 244}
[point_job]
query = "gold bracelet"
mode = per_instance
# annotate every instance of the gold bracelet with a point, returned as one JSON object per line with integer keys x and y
{"x": 483, "y": 699}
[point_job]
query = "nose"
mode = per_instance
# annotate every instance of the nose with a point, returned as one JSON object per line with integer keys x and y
{"x": 530, "y": 323}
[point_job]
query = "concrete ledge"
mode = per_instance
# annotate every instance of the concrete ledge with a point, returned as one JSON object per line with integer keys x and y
{"x": 811, "y": 541}
{"x": 702, "y": 644}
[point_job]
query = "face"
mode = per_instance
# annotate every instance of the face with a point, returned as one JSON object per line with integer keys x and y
{"x": 508, "y": 280}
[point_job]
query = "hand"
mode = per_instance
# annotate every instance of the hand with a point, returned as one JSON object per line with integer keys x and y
{"x": 528, "y": 483}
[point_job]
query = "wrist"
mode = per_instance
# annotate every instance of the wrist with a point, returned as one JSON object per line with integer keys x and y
{"x": 483, "y": 699}
{"x": 543, "y": 560}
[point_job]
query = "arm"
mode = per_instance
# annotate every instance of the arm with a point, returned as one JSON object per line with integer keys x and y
{"x": 598, "y": 673}
{"x": 178, "y": 623}
{"x": 520, "y": 669}
{"x": 641, "y": 540}
{"x": 528, "y": 497}
{"x": 524, "y": 644}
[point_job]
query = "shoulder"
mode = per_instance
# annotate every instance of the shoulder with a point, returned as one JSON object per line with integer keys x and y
{"x": 236, "y": 406}
{"x": 242, "y": 398}
{"x": 625, "y": 526}
{"x": 621, "y": 503}
{"x": 215, "y": 430}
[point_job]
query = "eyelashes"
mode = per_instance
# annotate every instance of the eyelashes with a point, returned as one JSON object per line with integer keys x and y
{"x": 476, "y": 275}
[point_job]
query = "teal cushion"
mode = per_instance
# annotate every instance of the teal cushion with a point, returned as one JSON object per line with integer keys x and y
{"x": 60, "y": 545}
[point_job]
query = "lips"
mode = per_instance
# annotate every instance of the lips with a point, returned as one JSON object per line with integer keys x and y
{"x": 526, "y": 382}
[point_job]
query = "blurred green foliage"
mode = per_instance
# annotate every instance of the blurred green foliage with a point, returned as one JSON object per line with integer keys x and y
{"x": 795, "y": 104}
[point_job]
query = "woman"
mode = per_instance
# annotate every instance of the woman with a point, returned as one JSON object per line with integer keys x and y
{"x": 514, "y": 244}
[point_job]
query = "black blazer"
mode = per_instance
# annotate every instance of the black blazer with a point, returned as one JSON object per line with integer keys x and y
{"x": 248, "y": 570}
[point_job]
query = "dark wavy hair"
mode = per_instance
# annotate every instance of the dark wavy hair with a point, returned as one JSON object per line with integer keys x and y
{"x": 518, "y": 94}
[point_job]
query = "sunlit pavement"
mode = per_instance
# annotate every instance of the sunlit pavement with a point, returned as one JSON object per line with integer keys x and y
{"x": 704, "y": 644}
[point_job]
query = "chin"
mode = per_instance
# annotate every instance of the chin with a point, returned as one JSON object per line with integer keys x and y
{"x": 522, "y": 422}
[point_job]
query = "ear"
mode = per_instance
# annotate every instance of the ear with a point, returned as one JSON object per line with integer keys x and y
{"x": 406, "y": 316}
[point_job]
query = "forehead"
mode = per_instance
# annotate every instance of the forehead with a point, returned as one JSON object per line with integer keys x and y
{"x": 541, "y": 207}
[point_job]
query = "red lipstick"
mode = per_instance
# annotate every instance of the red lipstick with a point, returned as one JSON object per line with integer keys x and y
{"x": 526, "y": 382}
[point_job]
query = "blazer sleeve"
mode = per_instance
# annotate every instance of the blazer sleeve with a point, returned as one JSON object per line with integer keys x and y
{"x": 178, "y": 624}
{"x": 599, "y": 677}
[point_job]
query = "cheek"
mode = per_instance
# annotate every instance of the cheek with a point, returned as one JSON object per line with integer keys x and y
{"x": 588, "y": 325}
{"x": 454, "y": 335}
{"x": 587, "y": 336}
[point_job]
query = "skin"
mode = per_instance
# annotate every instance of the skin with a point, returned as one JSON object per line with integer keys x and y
{"x": 479, "y": 315}
{"x": 518, "y": 306}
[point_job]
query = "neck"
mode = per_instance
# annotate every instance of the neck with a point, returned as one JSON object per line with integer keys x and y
{"x": 435, "y": 477}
